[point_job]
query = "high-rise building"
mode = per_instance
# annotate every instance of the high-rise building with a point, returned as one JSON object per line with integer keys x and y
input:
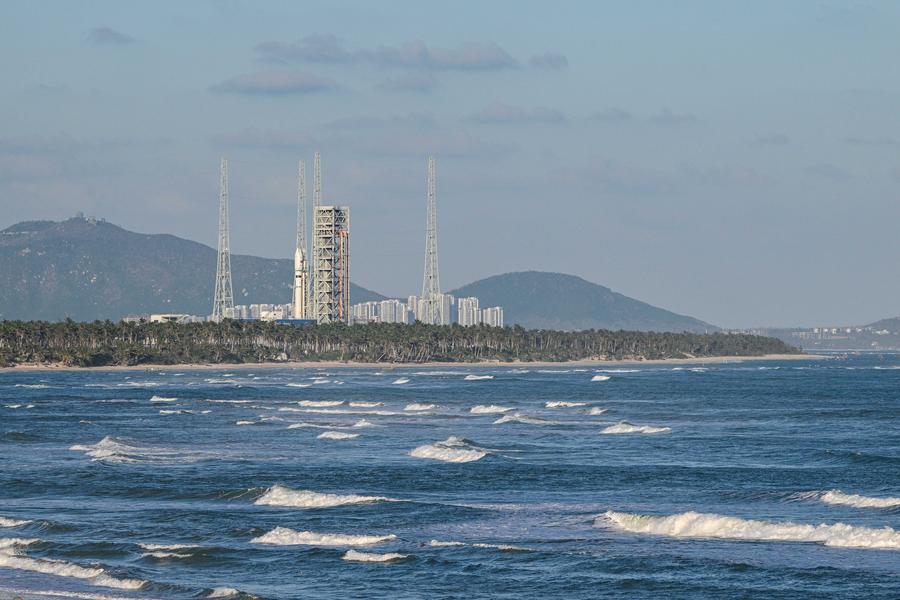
{"x": 468, "y": 311}
{"x": 492, "y": 316}
{"x": 392, "y": 311}
{"x": 331, "y": 239}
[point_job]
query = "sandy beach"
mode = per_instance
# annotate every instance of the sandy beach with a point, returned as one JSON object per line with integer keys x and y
{"x": 333, "y": 364}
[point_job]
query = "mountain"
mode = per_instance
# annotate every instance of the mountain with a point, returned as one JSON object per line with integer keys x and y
{"x": 89, "y": 269}
{"x": 535, "y": 299}
{"x": 892, "y": 325}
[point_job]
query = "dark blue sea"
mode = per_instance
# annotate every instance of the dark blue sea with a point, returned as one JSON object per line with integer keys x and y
{"x": 738, "y": 480}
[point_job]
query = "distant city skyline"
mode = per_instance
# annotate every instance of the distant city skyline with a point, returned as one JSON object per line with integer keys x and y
{"x": 739, "y": 163}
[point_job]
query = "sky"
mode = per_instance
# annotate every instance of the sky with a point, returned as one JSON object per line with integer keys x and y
{"x": 734, "y": 161}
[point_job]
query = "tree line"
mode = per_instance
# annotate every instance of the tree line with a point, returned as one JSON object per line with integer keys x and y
{"x": 105, "y": 343}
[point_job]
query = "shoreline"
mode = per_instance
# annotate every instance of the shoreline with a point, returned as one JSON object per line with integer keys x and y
{"x": 333, "y": 364}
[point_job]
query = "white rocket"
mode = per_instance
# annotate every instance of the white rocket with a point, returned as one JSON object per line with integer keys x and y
{"x": 300, "y": 284}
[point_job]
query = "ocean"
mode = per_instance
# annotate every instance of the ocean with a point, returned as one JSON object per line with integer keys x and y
{"x": 737, "y": 480}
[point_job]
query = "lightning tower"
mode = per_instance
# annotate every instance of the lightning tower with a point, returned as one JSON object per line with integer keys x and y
{"x": 300, "y": 309}
{"x": 431, "y": 284}
{"x": 223, "y": 302}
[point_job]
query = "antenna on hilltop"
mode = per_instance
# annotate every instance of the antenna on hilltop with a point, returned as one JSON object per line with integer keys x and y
{"x": 223, "y": 300}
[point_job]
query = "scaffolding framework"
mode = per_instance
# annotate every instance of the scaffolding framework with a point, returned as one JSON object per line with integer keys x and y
{"x": 331, "y": 240}
{"x": 223, "y": 298}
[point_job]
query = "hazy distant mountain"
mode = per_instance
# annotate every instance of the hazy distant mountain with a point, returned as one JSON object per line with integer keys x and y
{"x": 88, "y": 269}
{"x": 535, "y": 299}
{"x": 892, "y": 325}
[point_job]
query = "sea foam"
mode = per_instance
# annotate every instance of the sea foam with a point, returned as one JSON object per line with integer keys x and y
{"x": 279, "y": 495}
{"x": 283, "y": 536}
{"x": 858, "y": 501}
{"x": 563, "y": 404}
{"x": 400, "y": 381}
{"x": 489, "y": 409}
{"x": 700, "y": 525}
{"x": 372, "y": 557}
{"x": 336, "y": 435}
{"x": 453, "y": 449}
{"x": 477, "y": 377}
{"x": 419, "y": 406}
{"x": 624, "y": 427}
{"x": 320, "y": 403}
{"x": 596, "y": 410}
{"x": 113, "y": 450}
{"x": 6, "y": 522}
{"x": 600, "y": 378}
{"x": 522, "y": 418}
{"x": 11, "y": 558}
{"x": 366, "y": 404}
{"x": 163, "y": 399}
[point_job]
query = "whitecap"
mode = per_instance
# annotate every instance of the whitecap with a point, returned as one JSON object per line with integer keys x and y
{"x": 95, "y": 575}
{"x": 163, "y": 554}
{"x": 522, "y": 418}
{"x": 320, "y": 403}
{"x": 15, "y": 542}
{"x": 502, "y": 547}
{"x": 419, "y": 406}
{"x": 363, "y": 423}
{"x": 33, "y": 386}
{"x": 366, "y": 404}
{"x": 280, "y": 495}
{"x": 596, "y": 410}
{"x": 299, "y": 385}
{"x": 155, "y": 547}
{"x": 699, "y": 525}
{"x": 600, "y": 378}
{"x": 114, "y": 450}
{"x": 618, "y": 370}
{"x": 477, "y": 377}
{"x": 453, "y": 449}
{"x": 245, "y": 422}
{"x": 372, "y": 557}
{"x": 6, "y": 522}
{"x": 624, "y": 427}
{"x": 223, "y": 592}
{"x": 321, "y": 381}
{"x": 858, "y": 501}
{"x": 563, "y": 404}
{"x": 162, "y": 399}
{"x": 283, "y": 536}
{"x": 487, "y": 409}
{"x": 176, "y": 412}
{"x": 400, "y": 381}
{"x": 440, "y": 544}
{"x": 336, "y": 435}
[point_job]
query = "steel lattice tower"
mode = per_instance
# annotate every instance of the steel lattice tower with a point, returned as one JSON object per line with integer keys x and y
{"x": 431, "y": 283}
{"x": 223, "y": 302}
{"x": 317, "y": 201}
{"x": 301, "y": 208}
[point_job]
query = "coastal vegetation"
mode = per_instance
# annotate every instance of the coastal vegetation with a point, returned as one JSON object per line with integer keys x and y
{"x": 107, "y": 343}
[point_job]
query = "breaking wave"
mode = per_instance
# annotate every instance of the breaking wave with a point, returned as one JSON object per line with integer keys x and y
{"x": 700, "y": 525}
{"x": 363, "y": 423}
{"x": 223, "y": 592}
{"x": 419, "y": 406}
{"x": 12, "y": 558}
{"x": 283, "y": 536}
{"x": 33, "y": 386}
{"x": 624, "y": 427}
{"x": 154, "y": 547}
{"x": 489, "y": 409}
{"x": 858, "y": 501}
{"x": 440, "y": 544}
{"x": 372, "y": 557}
{"x": 563, "y": 404}
{"x": 299, "y": 385}
{"x": 400, "y": 381}
{"x": 280, "y": 495}
{"x": 336, "y": 435}
{"x": 520, "y": 418}
{"x": 162, "y": 399}
{"x": 320, "y": 403}
{"x": 502, "y": 547}
{"x": 600, "y": 378}
{"x": 366, "y": 404}
{"x": 6, "y": 522}
{"x": 113, "y": 450}
{"x": 477, "y": 377}
{"x": 453, "y": 449}
{"x": 596, "y": 410}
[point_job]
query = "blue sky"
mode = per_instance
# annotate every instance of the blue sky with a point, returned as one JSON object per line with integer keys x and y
{"x": 735, "y": 161}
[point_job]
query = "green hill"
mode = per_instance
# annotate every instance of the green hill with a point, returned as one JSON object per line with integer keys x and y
{"x": 535, "y": 299}
{"x": 89, "y": 269}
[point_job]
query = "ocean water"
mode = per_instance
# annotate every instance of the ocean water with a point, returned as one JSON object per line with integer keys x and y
{"x": 739, "y": 480}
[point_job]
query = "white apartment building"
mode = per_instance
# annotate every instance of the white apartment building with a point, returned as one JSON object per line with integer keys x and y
{"x": 468, "y": 312}
{"x": 492, "y": 316}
